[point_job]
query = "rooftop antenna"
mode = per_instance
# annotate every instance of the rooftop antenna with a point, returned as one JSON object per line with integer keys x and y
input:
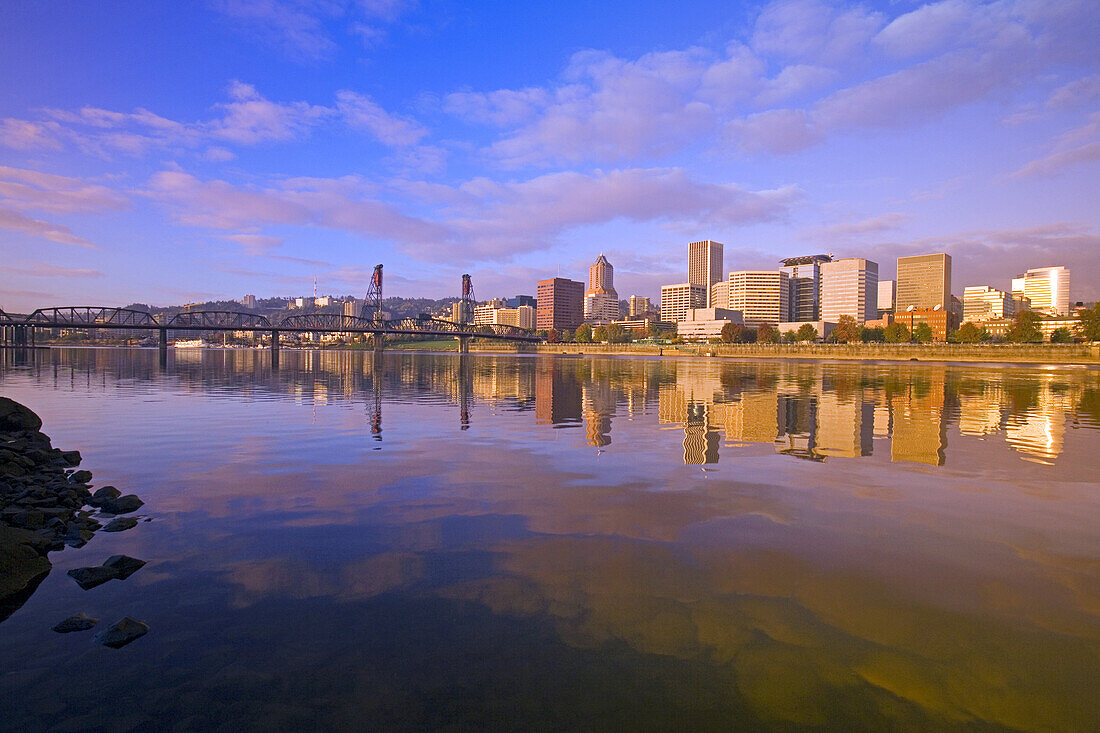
{"x": 315, "y": 287}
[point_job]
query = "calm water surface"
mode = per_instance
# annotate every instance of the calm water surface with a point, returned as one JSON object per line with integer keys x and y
{"x": 547, "y": 543}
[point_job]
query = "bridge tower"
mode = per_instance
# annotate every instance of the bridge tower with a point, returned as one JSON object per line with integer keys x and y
{"x": 372, "y": 305}
{"x": 466, "y": 312}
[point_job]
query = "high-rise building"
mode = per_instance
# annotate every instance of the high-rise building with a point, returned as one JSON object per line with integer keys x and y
{"x": 677, "y": 299}
{"x": 887, "y": 296}
{"x": 849, "y": 287}
{"x": 804, "y": 275}
{"x": 560, "y": 304}
{"x": 1046, "y": 287}
{"x": 720, "y": 294}
{"x": 705, "y": 264}
{"x": 519, "y": 300}
{"x": 924, "y": 281}
{"x": 762, "y": 296}
{"x": 981, "y": 302}
{"x": 601, "y": 302}
{"x": 640, "y": 307}
{"x": 249, "y": 301}
{"x": 351, "y": 307}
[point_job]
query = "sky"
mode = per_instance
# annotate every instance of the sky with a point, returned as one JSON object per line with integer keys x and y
{"x": 167, "y": 152}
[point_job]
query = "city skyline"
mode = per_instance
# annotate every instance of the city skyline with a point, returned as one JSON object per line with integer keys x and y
{"x": 313, "y": 140}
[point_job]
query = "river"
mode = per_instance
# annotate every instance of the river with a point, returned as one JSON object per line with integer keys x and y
{"x": 423, "y": 542}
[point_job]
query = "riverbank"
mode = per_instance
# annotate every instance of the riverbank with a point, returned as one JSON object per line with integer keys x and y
{"x": 1079, "y": 354}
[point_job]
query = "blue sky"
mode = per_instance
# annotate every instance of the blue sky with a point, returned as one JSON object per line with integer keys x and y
{"x": 163, "y": 152}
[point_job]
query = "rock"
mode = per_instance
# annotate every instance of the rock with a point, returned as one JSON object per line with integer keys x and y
{"x": 14, "y": 416}
{"x": 122, "y": 505}
{"x": 106, "y": 493}
{"x": 70, "y": 457}
{"x": 80, "y": 477}
{"x": 88, "y": 578}
{"x": 122, "y": 633}
{"x": 23, "y": 566}
{"x": 119, "y": 524}
{"x": 79, "y": 622}
{"x": 124, "y": 565}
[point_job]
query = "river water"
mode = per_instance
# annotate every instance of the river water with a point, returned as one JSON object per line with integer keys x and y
{"x": 550, "y": 543}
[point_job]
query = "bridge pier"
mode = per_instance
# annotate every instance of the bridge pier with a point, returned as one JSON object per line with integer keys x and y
{"x": 274, "y": 351}
{"x": 378, "y": 340}
{"x": 464, "y": 344}
{"x": 162, "y": 348}
{"x": 19, "y": 337}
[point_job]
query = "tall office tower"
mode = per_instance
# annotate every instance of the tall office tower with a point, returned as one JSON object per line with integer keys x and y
{"x": 981, "y": 302}
{"x": 849, "y": 287}
{"x": 1046, "y": 287}
{"x": 601, "y": 302}
{"x": 560, "y": 304}
{"x": 677, "y": 299}
{"x": 924, "y": 281}
{"x": 249, "y": 301}
{"x": 762, "y": 296}
{"x": 805, "y": 286}
{"x": 705, "y": 264}
{"x": 720, "y": 294}
{"x": 352, "y": 306}
{"x": 639, "y": 307}
{"x": 887, "y": 296}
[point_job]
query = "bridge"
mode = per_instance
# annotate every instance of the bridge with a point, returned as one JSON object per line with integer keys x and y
{"x": 19, "y": 329}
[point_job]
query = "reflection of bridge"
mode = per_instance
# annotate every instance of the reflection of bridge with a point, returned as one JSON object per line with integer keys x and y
{"x": 20, "y": 329}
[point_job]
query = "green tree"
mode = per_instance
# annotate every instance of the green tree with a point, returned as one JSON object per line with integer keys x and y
{"x": 567, "y": 336}
{"x": 847, "y": 330}
{"x": 654, "y": 332}
{"x": 788, "y": 337}
{"x": 616, "y": 334}
{"x": 599, "y": 334}
{"x": 1090, "y": 323}
{"x": 922, "y": 333}
{"x": 731, "y": 333}
{"x": 896, "y": 333}
{"x": 968, "y": 333}
{"x": 1026, "y": 328}
{"x": 583, "y": 334}
{"x": 1061, "y": 336}
{"x": 806, "y": 332}
{"x": 765, "y": 334}
{"x": 869, "y": 335}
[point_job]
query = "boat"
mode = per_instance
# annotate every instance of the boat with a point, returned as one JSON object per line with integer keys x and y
{"x": 189, "y": 344}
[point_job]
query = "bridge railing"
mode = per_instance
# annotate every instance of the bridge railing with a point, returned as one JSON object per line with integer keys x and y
{"x": 327, "y": 322}
{"x": 237, "y": 320}
{"x": 91, "y": 316}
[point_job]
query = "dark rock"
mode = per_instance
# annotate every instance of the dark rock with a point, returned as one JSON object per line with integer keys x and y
{"x": 88, "y": 578}
{"x": 79, "y": 622}
{"x": 80, "y": 477}
{"x": 106, "y": 493}
{"x": 119, "y": 524}
{"x": 71, "y": 457}
{"x": 122, "y": 633}
{"x": 122, "y": 505}
{"x": 124, "y": 565}
{"x": 14, "y": 416}
{"x": 23, "y": 565}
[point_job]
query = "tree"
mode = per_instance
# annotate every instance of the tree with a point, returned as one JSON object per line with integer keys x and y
{"x": 731, "y": 332}
{"x": 765, "y": 334}
{"x": 654, "y": 332}
{"x": 583, "y": 334}
{"x": 599, "y": 335}
{"x": 806, "y": 332}
{"x": 616, "y": 334}
{"x": 1061, "y": 336}
{"x": 968, "y": 333}
{"x": 1090, "y": 323}
{"x": 869, "y": 335}
{"x": 896, "y": 333}
{"x": 553, "y": 336}
{"x": 922, "y": 333}
{"x": 566, "y": 336}
{"x": 788, "y": 337}
{"x": 1026, "y": 329}
{"x": 847, "y": 330}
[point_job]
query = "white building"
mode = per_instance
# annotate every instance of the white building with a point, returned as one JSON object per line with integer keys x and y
{"x": 322, "y": 301}
{"x": 705, "y": 263}
{"x": 521, "y": 316}
{"x": 981, "y": 302}
{"x": 720, "y": 294}
{"x": 887, "y": 296}
{"x": 1046, "y": 287}
{"x": 760, "y": 295}
{"x": 249, "y": 301}
{"x": 849, "y": 287}
{"x": 677, "y": 299}
{"x": 706, "y": 323}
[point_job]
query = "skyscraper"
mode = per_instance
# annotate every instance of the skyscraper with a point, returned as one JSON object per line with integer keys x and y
{"x": 1046, "y": 287}
{"x": 981, "y": 302}
{"x": 639, "y": 307}
{"x": 601, "y": 302}
{"x": 924, "y": 281}
{"x": 677, "y": 299}
{"x": 560, "y": 304}
{"x": 705, "y": 264}
{"x": 762, "y": 296}
{"x": 805, "y": 286}
{"x": 849, "y": 287}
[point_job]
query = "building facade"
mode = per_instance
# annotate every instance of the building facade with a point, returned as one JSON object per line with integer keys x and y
{"x": 249, "y": 301}
{"x": 849, "y": 287}
{"x": 601, "y": 301}
{"x": 762, "y": 296}
{"x": 804, "y": 275}
{"x": 706, "y": 323}
{"x": 677, "y": 299}
{"x": 705, "y": 263}
{"x": 941, "y": 320}
{"x": 887, "y": 296}
{"x": 924, "y": 281}
{"x": 640, "y": 307}
{"x": 720, "y": 294}
{"x": 981, "y": 302}
{"x": 560, "y": 304}
{"x": 1046, "y": 287}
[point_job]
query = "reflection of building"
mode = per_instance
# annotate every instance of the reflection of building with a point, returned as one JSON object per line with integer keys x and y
{"x": 560, "y": 304}
{"x": 1046, "y": 287}
{"x": 557, "y": 395}
{"x": 980, "y": 414}
{"x": 849, "y": 287}
{"x": 804, "y": 284}
{"x": 924, "y": 281}
{"x": 797, "y": 422}
{"x": 601, "y": 301}
{"x": 919, "y": 431}
{"x": 704, "y": 267}
{"x": 700, "y": 437}
{"x": 751, "y": 419}
{"x": 845, "y": 427}
{"x": 760, "y": 295}
{"x": 1040, "y": 431}
{"x": 677, "y": 299}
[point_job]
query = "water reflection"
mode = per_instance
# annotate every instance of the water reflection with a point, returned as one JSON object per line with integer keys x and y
{"x": 864, "y": 550}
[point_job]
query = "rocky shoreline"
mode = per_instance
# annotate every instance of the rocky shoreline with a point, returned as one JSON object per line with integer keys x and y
{"x": 46, "y": 504}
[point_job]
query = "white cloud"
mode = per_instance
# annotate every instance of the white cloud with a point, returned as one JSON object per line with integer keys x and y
{"x": 360, "y": 111}
{"x": 31, "y": 190}
{"x": 15, "y": 221}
